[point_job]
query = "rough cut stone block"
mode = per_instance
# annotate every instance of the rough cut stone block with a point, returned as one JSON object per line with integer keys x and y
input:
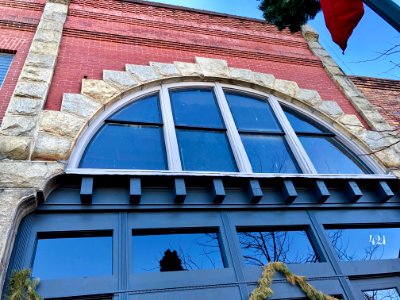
{"x": 213, "y": 67}
{"x": 352, "y": 123}
{"x": 31, "y": 89}
{"x": 165, "y": 70}
{"x": 51, "y": 147}
{"x": 98, "y": 90}
{"x": 320, "y": 52}
{"x": 143, "y": 73}
{"x": 389, "y": 157}
{"x": 374, "y": 117}
{"x": 241, "y": 74}
{"x": 266, "y": 80}
{"x": 362, "y": 103}
{"x": 24, "y": 106}
{"x": 309, "y": 33}
{"x": 40, "y": 60}
{"x": 55, "y": 11}
{"x": 27, "y": 174}
{"x": 188, "y": 69}
{"x": 331, "y": 108}
{"x": 14, "y": 147}
{"x": 60, "y": 123}
{"x": 47, "y": 35}
{"x": 334, "y": 70}
{"x": 79, "y": 105}
{"x": 51, "y": 25}
{"x": 18, "y": 125}
{"x": 286, "y": 87}
{"x": 311, "y": 97}
{"x": 121, "y": 80}
{"x": 374, "y": 140}
{"x": 36, "y": 74}
{"x": 47, "y": 48}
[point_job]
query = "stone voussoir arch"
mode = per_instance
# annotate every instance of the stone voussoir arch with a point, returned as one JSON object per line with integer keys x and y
{"x": 59, "y": 131}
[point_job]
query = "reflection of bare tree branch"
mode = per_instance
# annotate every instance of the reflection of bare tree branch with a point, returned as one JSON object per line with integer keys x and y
{"x": 387, "y": 294}
{"x": 260, "y": 247}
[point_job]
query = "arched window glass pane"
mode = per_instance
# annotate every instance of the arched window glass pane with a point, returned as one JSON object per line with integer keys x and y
{"x": 196, "y": 108}
{"x": 252, "y": 113}
{"x": 327, "y": 157}
{"x": 117, "y": 146}
{"x": 205, "y": 151}
{"x": 146, "y": 110}
{"x": 300, "y": 124}
{"x": 268, "y": 154}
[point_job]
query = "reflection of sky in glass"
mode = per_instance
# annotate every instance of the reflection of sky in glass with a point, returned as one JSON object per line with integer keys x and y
{"x": 261, "y": 247}
{"x": 388, "y": 294}
{"x": 366, "y": 243}
{"x": 73, "y": 257}
{"x": 196, "y": 251}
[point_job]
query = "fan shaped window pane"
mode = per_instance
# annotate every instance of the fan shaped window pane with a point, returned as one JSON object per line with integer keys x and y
{"x": 300, "y": 124}
{"x": 327, "y": 157}
{"x": 117, "y": 146}
{"x": 251, "y": 113}
{"x": 146, "y": 110}
{"x": 205, "y": 151}
{"x": 196, "y": 108}
{"x": 268, "y": 154}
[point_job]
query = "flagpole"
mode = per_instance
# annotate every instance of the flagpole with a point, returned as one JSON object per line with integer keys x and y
{"x": 388, "y": 10}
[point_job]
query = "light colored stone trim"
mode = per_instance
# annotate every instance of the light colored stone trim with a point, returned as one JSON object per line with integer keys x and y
{"x": 57, "y": 132}
{"x": 22, "y": 115}
{"x": 352, "y": 93}
{"x": 14, "y": 205}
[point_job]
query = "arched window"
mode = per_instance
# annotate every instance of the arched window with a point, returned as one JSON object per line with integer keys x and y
{"x": 217, "y": 128}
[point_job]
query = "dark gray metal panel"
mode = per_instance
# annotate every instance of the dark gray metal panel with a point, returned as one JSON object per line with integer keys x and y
{"x": 321, "y": 191}
{"x": 254, "y": 190}
{"x": 384, "y": 192}
{"x": 135, "y": 190}
{"x": 218, "y": 191}
{"x": 86, "y": 190}
{"x": 289, "y": 193}
{"x": 210, "y": 293}
{"x": 376, "y": 267}
{"x": 353, "y": 192}
{"x": 180, "y": 190}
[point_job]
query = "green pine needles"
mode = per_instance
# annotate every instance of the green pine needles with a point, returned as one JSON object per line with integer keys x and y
{"x": 22, "y": 286}
{"x": 289, "y": 13}
{"x": 264, "y": 291}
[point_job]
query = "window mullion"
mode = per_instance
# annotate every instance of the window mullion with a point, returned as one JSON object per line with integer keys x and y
{"x": 235, "y": 141}
{"x": 293, "y": 141}
{"x": 171, "y": 142}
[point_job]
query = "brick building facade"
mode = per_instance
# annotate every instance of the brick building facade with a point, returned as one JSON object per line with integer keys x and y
{"x": 77, "y": 61}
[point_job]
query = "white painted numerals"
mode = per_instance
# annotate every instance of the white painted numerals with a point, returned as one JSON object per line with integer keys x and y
{"x": 376, "y": 239}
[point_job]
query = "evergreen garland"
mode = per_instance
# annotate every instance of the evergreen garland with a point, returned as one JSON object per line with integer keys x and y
{"x": 264, "y": 291}
{"x": 22, "y": 286}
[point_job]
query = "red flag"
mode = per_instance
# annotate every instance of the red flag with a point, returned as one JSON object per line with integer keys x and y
{"x": 341, "y": 17}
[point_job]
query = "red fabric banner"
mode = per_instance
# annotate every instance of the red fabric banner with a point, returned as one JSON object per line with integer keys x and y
{"x": 341, "y": 17}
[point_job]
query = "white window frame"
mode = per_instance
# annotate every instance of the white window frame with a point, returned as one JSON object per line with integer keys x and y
{"x": 238, "y": 151}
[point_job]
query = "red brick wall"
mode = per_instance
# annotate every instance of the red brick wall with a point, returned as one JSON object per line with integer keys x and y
{"x": 108, "y": 34}
{"x": 18, "y": 21}
{"x": 384, "y": 94}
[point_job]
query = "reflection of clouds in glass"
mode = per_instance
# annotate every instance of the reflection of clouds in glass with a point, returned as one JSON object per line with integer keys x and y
{"x": 387, "y": 294}
{"x": 366, "y": 243}
{"x": 261, "y": 247}
{"x": 196, "y": 251}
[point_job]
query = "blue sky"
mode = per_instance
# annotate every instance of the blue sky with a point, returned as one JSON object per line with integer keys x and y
{"x": 372, "y": 37}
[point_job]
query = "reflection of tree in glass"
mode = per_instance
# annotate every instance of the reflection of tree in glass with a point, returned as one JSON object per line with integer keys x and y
{"x": 272, "y": 246}
{"x": 341, "y": 243}
{"x": 201, "y": 252}
{"x": 388, "y": 294}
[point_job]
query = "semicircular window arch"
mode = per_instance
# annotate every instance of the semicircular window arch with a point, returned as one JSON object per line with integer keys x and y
{"x": 216, "y": 128}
